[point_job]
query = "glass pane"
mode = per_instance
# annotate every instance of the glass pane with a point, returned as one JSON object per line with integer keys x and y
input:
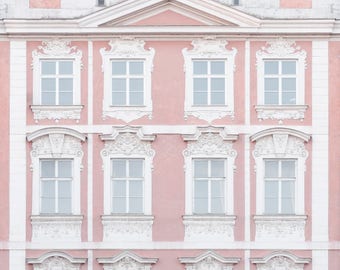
{"x": 288, "y": 84}
{"x": 47, "y": 168}
{"x": 118, "y": 205}
{"x": 200, "y": 67}
{"x": 272, "y": 189}
{"x": 136, "y": 168}
{"x": 66, "y": 84}
{"x": 136, "y": 205}
{"x": 119, "y": 188}
{"x": 201, "y": 189}
{"x": 271, "y": 84}
{"x": 48, "y": 189}
{"x": 136, "y": 189}
{"x": 271, "y": 168}
{"x": 201, "y": 205}
{"x": 217, "y": 84}
{"x": 118, "y": 99}
{"x": 48, "y": 84}
{"x": 47, "y": 205}
{"x": 136, "y": 98}
{"x": 217, "y": 98}
{"x": 118, "y": 85}
{"x": 288, "y": 168}
{"x": 271, "y": 67}
{"x": 48, "y": 67}
{"x": 118, "y": 168}
{"x": 200, "y": 84}
{"x": 217, "y": 189}
{"x": 288, "y": 189}
{"x": 200, "y": 168}
{"x": 64, "y": 189}
{"x": 118, "y": 68}
{"x": 136, "y": 85}
{"x": 217, "y": 205}
{"x": 271, "y": 206}
{"x": 65, "y": 206}
{"x": 136, "y": 68}
{"x": 217, "y": 67}
{"x": 217, "y": 168}
{"x": 288, "y": 206}
{"x": 200, "y": 98}
{"x": 288, "y": 98}
{"x": 65, "y": 98}
{"x": 288, "y": 67}
{"x": 65, "y": 67}
{"x": 271, "y": 98}
{"x": 65, "y": 168}
{"x": 48, "y": 98}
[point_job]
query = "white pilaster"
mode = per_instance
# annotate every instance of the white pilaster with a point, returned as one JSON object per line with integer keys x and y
{"x": 320, "y": 260}
{"x": 320, "y": 142}
{"x": 17, "y": 162}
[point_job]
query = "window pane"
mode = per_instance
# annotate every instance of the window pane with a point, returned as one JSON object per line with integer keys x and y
{"x": 66, "y": 84}
{"x": 271, "y": 168}
{"x": 200, "y": 168}
{"x": 217, "y": 67}
{"x": 288, "y": 67}
{"x": 118, "y": 85}
{"x": 201, "y": 206}
{"x": 48, "y": 189}
{"x": 200, "y": 67}
{"x": 271, "y": 67}
{"x": 217, "y": 205}
{"x": 271, "y": 197}
{"x": 200, "y": 98}
{"x": 118, "y": 205}
{"x": 201, "y": 189}
{"x": 47, "y": 168}
{"x": 119, "y": 188}
{"x": 65, "y": 67}
{"x": 48, "y": 67}
{"x": 217, "y": 189}
{"x": 136, "y": 205}
{"x": 47, "y": 205}
{"x": 200, "y": 84}
{"x": 289, "y": 98}
{"x": 118, "y": 99}
{"x": 288, "y": 84}
{"x": 136, "y": 98}
{"x": 288, "y": 189}
{"x": 136, "y": 168}
{"x": 217, "y": 168}
{"x": 48, "y": 98}
{"x": 271, "y": 206}
{"x": 65, "y": 98}
{"x": 136, "y": 68}
{"x": 65, "y": 206}
{"x": 48, "y": 84}
{"x": 271, "y": 98}
{"x": 64, "y": 189}
{"x": 288, "y": 168}
{"x": 271, "y": 84}
{"x": 136, "y": 189}
{"x": 118, "y": 168}
{"x": 217, "y": 98}
{"x": 118, "y": 68}
{"x": 217, "y": 84}
{"x": 136, "y": 85}
{"x": 65, "y": 168}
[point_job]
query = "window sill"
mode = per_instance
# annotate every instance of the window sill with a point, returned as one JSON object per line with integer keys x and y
{"x": 56, "y": 113}
{"x": 127, "y": 113}
{"x": 281, "y": 112}
{"x": 280, "y": 227}
{"x": 209, "y": 113}
{"x": 209, "y": 228}
{"x": 127, "y": 227}
{"x": 56, "y": 228}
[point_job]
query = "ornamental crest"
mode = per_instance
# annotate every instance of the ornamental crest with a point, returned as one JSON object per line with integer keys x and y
{"x": 57, "y": 48}
{"x": 280, "y": 263}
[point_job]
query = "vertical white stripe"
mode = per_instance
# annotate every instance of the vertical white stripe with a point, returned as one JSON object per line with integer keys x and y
{"x": 320, "y": 260}
{"x": 247, "y": 82}
{"x": 17, "y": 155}
{"x": 90, "y": 260}
{"x": 320, "y": 141}
{"x": 90, "y": 145}
{"x": 247, "y": 259}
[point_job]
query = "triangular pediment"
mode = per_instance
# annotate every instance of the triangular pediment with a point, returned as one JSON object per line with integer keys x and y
{"x": 132, "y": 13}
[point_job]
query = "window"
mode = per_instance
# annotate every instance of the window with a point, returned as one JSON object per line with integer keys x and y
{"x": 281, "y": 81}
{"x": 127, "y": 186}
{"x": 101, "y": 2}
{"x": 209, "y": 82}
{"x": 127, "y": 83}
{"x": 127, "y": 68}
{"x": 56, "y": 81}
{"x": 56, "y": 186}
{"x": 280, "y": 181}
{"x": 209, "y": 186}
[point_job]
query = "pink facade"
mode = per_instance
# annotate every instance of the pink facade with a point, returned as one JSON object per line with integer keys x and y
{"x": 169, "y": 135}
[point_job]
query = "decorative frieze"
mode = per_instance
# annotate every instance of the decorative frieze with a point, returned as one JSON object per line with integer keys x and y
{"x": 281, "y": 113}
{"x": 56, "y": 113}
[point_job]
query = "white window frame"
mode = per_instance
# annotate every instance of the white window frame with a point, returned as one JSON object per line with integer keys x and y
{"x": 56, "y": 143}
{"x": 56, "y": 50}
{"x": 127, "y": 49}
{"x": 280, "y": 50}
{"x": 209, "y": 49}
{"x": 280, "y": 143}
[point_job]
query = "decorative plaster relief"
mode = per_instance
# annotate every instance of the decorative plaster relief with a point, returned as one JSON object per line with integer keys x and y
{"x": 56, "y": 228}
{"x": 280, "y": 113}
{"x": 209, "y": 228}
{"x": 280, "y": 228}
{"x": 127, "y": 228}
{"x": 56, "y": 113}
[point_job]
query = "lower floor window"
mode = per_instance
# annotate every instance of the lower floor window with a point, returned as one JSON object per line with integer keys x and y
{"x": 127, "y": 185}
{"x": 209, "y": 186}
{"x": 280, "y": 180}
{"x": 56, "y": 186}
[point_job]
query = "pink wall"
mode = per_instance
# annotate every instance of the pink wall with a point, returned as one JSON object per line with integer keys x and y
{"x": 334, "y": 141}
{"x": 4, "y": 259}
{"x": 44, "y": 4}
{"x": 296, "y": 3}
{"x": 334, "y": 259}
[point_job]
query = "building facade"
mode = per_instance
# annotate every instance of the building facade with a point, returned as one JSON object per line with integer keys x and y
{"x": 151, "y": 134}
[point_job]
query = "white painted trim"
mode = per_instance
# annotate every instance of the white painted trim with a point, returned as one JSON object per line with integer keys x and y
{"x": 17, "y": 259}
{"x": 320, "y": 259}
{"x": 17, "y": 146}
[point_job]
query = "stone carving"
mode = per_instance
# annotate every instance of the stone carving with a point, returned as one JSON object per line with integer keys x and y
{"x": 56, "y": 228}
{"x": 127, "y": 115}
{"x": 56, "y": 261}
{"x": 127, "y": 144}
{"x": 209, "y": 115}
{"x": 280, "y": 228}
{"x": 56, "y": 113}
{"x": 281, "y": 113}
{"x": 127, "y": 228}
{"x": 205, "y": 228}
{"x": 57, "y": 48}
{"x": 210, "y": 144}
